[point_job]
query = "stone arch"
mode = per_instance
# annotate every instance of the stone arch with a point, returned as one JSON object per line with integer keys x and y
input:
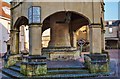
{"x": 77, "y": 20}
{"x": 22, "y": 20}
{"x": 45, "y": 37}
{"x": 77, "y": 17}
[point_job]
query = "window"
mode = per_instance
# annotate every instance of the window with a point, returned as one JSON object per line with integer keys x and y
{"x": 34, "y": 14}
{"x": 110, "y": 29}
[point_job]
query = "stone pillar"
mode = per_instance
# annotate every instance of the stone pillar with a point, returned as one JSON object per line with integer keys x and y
{"x": 95, "y": 38}
{"x": 14, "y": 42}
{"x": 35, "y": 39}
{"x": 103, "y": 40}
{"x": 60, "y": 36}
{"x": 74, "y": 40}
{"x": 22, "y": 39}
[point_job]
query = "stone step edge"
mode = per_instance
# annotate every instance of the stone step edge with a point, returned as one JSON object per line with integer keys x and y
{"x": 57, "y": 68}
{"x": 58, "y": 75}
{"x": 50, "y": 71}
{"x": 12, "y": 73}
{"x": 67, "y": 76}
{"x": 17, "y": 69}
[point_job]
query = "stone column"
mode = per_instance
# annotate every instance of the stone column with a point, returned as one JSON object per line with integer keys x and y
{"x": 22, "y": 38}
{"x": 74, "y": 40}
{"x": 14, "y": 42}
{"x": 35, "y": 39}
{"x": 103, "y": 40}
{"x": 60, "y": 36}
{"x": 95, "y": 38}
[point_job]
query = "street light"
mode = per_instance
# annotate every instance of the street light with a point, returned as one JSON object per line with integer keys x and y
{"x": 34, "y": 15}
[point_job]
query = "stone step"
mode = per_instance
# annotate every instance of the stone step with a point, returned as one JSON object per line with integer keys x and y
{"x": 68, "y": 71}
{"x": 18, "y": 64}
{"x": 60, "y": 67}
{"x": 15, "y": 68}
{"x": 57, "y": 70}
{"x": 58, "y": 75}
{"x": 68, "y": 68}
{"x": 5, "y": 77}
{"x": 11, "y": 73}
{"x": 67, "y": 76}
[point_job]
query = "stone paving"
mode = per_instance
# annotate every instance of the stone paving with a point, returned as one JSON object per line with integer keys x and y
{"x": 65, "y": 64}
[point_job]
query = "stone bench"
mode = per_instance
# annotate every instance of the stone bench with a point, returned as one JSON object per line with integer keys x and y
{"x": 97, "y": 63}
{"x": 33, "y": 65}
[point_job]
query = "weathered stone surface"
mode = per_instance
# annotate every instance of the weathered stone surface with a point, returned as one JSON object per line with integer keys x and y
{"x": 14, "y": 42}
{"x": 60, "y": 37}
{"x": 33, "y": 69}
{"x": 33, "y": 65}
{"x": 12, "y": 60}
{"x": 63, "y": 53}
{"x": 35, "y": 39}
{"x": 97, "y": 63}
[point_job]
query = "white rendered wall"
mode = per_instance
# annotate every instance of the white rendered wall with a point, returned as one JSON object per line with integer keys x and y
{"x": 4, "y": 33}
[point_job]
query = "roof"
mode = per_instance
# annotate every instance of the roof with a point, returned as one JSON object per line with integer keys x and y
{"x": 4, "y": 9}
{"x": 114, "y": 23}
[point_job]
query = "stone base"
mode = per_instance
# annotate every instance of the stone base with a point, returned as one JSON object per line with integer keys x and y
{"x": 33, "y": 69}
{"x": 61, "y": 53}
{"x": 97, "y": 63}
{"x": 12, "y": 60}
{"x": 33, "y": 65}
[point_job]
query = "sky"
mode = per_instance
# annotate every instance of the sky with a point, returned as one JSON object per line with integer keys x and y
{"x": 111, "y": 9}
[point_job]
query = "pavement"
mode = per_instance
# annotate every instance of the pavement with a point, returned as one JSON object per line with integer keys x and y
{"x": 115, "y": 60}
{"x": 1, "y": 65}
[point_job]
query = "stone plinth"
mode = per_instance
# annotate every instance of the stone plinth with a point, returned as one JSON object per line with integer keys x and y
{"x": 33, "y": 65}
{"x": 14, "y": 41}
{"x": 97, "y": 63}
{"x": 35, "y": 39}
{"x": 65, "y": 53}
{"x": 59, "y": 34}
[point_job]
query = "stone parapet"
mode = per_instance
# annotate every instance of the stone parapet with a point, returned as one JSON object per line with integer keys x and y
{"x": 97, "y": 63}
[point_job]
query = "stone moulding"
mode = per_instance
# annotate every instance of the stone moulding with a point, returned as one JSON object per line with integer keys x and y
{"x": 97, "y": 63}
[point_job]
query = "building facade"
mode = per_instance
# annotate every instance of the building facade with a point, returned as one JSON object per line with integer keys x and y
{"x": 4, "y": 27}
{"x": 112, "y": 34}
